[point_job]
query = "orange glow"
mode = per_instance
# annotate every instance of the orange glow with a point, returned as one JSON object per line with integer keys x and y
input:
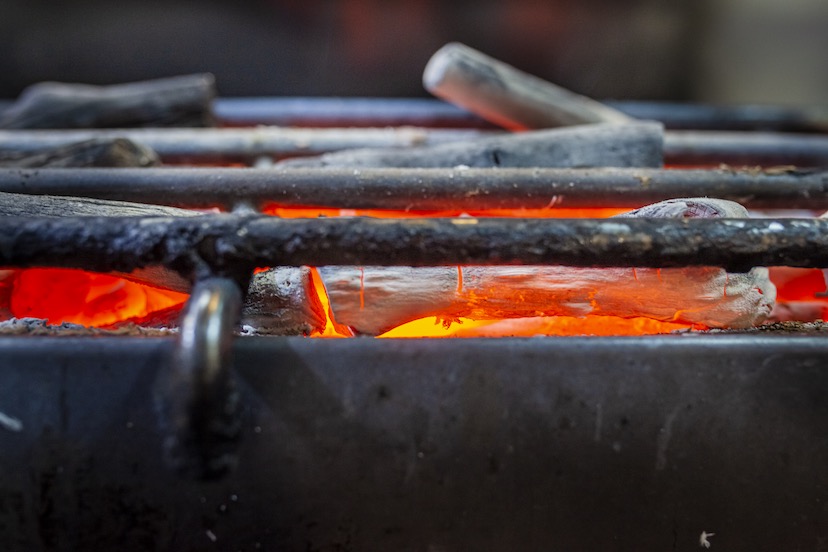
{"x": 540, "y": 326}
{"x": 332, "y": 329}
{"x": 797, "y": 284}
{"x": 285, "y": 211}
{"x": 435, "y": 326}
{"x": 79, "y": 297}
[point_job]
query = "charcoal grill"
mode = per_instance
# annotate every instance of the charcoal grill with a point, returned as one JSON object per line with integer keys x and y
{"x": 361, "y": 444}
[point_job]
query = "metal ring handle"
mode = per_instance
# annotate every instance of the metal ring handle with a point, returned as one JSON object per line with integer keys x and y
{"x": 197, "y": 397}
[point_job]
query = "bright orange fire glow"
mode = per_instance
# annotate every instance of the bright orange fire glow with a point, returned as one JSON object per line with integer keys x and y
{"x": 551, "y": 212}
{"x": 797, "y": 284}
{"x": 540, "y": 326}
{"x": 332, "y": 329}
{"x": 87, "y": 298}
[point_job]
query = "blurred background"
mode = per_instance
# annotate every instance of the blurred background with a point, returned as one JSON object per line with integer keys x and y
{"x": 718, "y": 51}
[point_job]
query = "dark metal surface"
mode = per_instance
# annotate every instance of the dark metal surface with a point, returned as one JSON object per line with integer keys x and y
{"x": 425, "y": 189}
{"x": 231, "y": 245}
{"x": 536, "y": 444}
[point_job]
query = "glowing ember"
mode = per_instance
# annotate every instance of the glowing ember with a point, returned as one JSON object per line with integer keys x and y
{"x": 79, "y": 297}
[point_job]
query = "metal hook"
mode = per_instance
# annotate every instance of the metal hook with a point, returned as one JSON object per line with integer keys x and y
{"x": 197, "y": 396}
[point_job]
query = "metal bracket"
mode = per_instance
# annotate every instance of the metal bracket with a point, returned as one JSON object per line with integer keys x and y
{"x": 196, "y": 396}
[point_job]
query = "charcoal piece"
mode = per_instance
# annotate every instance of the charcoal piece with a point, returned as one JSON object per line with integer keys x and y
{"x": 176, "y": 101}
{"x": 507, "y": 96}
{"x": 22, "y": 205}
{"x": 599, "y": 145}
{"x": 97, "y": 152}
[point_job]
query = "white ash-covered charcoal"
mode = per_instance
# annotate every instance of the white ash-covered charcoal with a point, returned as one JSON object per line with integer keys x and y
{"x": 373, "y": 300}
{"x": 600, "y": 145}
{"x": 506, "y": 96}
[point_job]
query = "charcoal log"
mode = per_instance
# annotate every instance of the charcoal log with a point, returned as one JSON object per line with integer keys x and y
{"x": 373, "y": 300}
{"x": 601, "y": 145}
{"x": 507, "y": 96}
{"x": 177, "y": 101}
{"x": 96, "y": 152}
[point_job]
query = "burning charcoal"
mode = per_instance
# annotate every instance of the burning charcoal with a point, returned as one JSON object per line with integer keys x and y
{"x": 604, "y": 145}
{"x": 283, "y": 301}
{"x": 506, "y": 96}
{"x": 176, "y": 101}
{"x": 279, "y": 302}
{"x": 373, "y": 300}
{"x": 97, "y": 152}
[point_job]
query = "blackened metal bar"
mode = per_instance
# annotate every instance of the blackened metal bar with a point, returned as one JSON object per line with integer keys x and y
{"x": 425, "y": 189}
{"x": 231, "y": 244}
{"x": 431, "y": 112}
{"x": 226, "y": 144}
{"x": 686, "y": 147}
{"x": 344, "y": 112}
{"x": 301, "y": 111}
{"x": 693, "y": 116}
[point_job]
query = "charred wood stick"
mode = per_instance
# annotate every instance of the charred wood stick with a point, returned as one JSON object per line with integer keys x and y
{"x": 232, "y": 144}
{"x": 279, "y": 301}
{"x": 175, "y": 101}
{"x": 427, "y": 189}
{"x": 97, "y": 152}
{"x": 235, "y": 244}
{"x": 507, "y": 96}
{"x": 607, "y": 145}
{"x": 374, "y": 300}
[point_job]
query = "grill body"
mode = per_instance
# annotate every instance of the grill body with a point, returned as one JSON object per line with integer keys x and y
{"x": 570, "y": 443}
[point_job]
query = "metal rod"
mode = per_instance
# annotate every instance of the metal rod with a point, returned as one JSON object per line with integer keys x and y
{"x": 424, "y": 189}
{"x": 197, "y": 395}
{"x": 231, "y": 244}
{"x": 696, "y": 147}
{"x": 345, "y": 112}
{"x": 220, "y": 144}
{"x": 225, "y": 144}
{"x": 687, "y": 116}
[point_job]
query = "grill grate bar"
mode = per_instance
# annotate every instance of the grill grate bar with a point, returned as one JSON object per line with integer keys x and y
{"x": 233, "y": 245}
{"x": 425, "y": 189}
